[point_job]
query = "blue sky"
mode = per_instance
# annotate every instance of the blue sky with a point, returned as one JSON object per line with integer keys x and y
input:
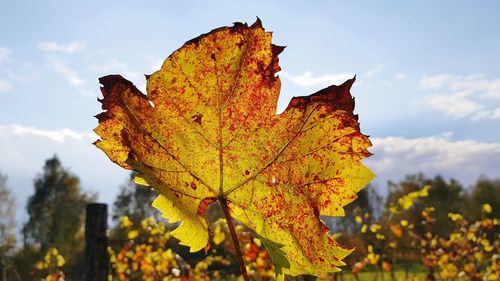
{"x": 428, "y": 87}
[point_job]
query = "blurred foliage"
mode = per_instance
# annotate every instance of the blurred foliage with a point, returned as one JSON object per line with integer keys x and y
{"x": 145, "y": 255}
{"x": 50, "y": 267}
{"x": 424, "y": 229}
{"x": 423, "y": 226}
{"x": 444, "y": 196}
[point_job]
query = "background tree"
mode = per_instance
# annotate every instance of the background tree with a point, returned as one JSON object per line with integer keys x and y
{"x": 56, "y": 213}
{"x": 484, "y": 191}
{"x": 7, "y": 226}
{"x": 7, "y": 218}
{"x": 444, "y": 196}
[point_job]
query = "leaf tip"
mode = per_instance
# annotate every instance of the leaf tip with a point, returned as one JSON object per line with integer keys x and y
{"x": 277, "y": 49}
{"x": 257, "y": 23}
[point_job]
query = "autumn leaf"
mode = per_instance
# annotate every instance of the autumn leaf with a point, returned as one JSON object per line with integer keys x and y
{"x": 208, "y": 131}
{"x": 397, "y": 230}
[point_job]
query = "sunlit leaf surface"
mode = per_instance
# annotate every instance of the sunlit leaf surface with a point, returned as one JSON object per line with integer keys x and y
{"x": 208, "y": 129}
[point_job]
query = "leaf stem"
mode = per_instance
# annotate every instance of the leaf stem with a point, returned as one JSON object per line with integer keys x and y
{"x": 234, "y": 237}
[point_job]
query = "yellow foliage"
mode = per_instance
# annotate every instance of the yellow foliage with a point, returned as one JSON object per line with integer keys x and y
{"x": 364, "y": 228}
{"x": 406, "y": 202}
{"x": 455, "y": 216}
{"x": 219, "y": 236}
{"x": 132, "y": 234}
{"x": 358, "y": 219}
{"x": 375, "y": 227}
{"x": 486, "y": 208}
{"x": 125, "y": 222}
{"x": 449, "y": 271}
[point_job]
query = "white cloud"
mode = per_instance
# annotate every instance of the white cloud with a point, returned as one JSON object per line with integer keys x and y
{"x": 12, "y": 71}
{"x": 492, "y": 89}
{"x": 113, "y": 67}
{"x": 60, "y": 135}
{"x": 464, "y": 160}
{"x": 69, "y": 74}
{"x": 482, "y": 114}
{"x": 496, "y": 113}
{"x": 154, "y": 61}
{"x": 436, "y": 81}
{"x": 307, "y": 79}
{"x": 400, "y": 76}
{"x": 374, "y": 71}
{"x": 5, "y": 86}
{"x": 5, "y": 55}
{"x": 52, "y": 46}
{"x": 455, "y": 106}
{"x": 464, "y": 84}
{"x": 462, "y": 96}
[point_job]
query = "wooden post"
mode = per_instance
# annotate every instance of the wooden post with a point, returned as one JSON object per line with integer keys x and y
{"x": 96, "y": 243}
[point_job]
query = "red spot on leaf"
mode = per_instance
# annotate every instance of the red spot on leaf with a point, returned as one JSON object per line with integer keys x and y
{"x": 193, "y": 185}
{"x": 202, "y": 208}
{"x": 197, "y": 118}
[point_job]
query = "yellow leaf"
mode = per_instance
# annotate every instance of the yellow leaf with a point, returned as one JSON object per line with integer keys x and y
{"x": 39, "y": 265}
{"x": 133, "y": 234}
{"x": 375, "y": 227}
{"x": 219, "y": 235}
{"x": 358, "y": 219}
{"x": 434, "y": 243}
{"x": 208, "y": 131}
{"x": 424, "y": 192}
{"x": 364, "y": 228}
{"x": 455, "y": 216}
{"x": 406, "y": 202}
{"x": 373, "y": 258}
{"x": 53, "y": 251}
{"x": 486, "y": 208}
{"x": 489, "y": 248}
{"x": 125, "y": 222}
{"x": 60, "y": 261}
{"x": 397, "y": 230}
{"x": 257, "y": 242}
{"x": 141, "y": 181}
{"x": 386, "y": 266}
